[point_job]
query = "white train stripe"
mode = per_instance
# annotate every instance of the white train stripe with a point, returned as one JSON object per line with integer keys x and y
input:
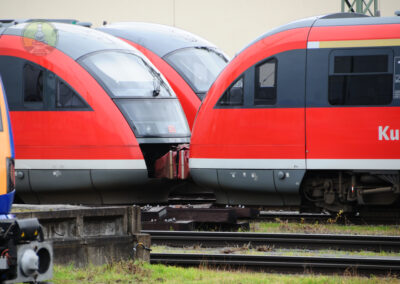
{"x": 312, "y": 44}
{"x": 80, "y": 164}
{"x": 311, "y": 164}
{"x": 353, "y": 164}
{"x": 247, "y": 163}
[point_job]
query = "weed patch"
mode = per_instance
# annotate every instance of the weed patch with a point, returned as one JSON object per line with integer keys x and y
{"x": 135, "y": 272}
{"x": 284, "y": 226}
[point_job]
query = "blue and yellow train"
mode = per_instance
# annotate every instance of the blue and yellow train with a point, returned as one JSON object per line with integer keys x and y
{"x": 24, "y": 255}
{"x": 7, "y": 174}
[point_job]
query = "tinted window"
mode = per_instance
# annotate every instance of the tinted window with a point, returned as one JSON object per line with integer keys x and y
{"x": 396, "y": 77}
{"x": 11, "y": 70}
{"x": 361, "y": 64}
{"x": 265, "y": 91}
{"x": 155, "y": 118}
{"x": 361, "y": 80}
{"x": 33, "y": 85}
{"x": 67, "y": 98}
{"x": 198, "y": 66}
{"x": 234, "y": 95}
{"x": 126, "y": 75}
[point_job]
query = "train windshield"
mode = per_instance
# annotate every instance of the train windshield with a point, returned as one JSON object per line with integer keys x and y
{"x": 125, "y": 74}
{"x": 198, "y": 66}
{"x": 155, "y": 118}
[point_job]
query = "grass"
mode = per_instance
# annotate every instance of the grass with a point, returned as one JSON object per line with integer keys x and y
{"x": 287, "y": 227}
{"x": 130, "y": 272}
{"x": 136, "y": 272}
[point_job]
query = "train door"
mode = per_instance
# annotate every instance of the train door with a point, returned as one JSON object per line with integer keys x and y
{"x": 352, "y": 115}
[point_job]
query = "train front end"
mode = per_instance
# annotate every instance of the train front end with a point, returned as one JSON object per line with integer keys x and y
{"x": 148, "y": 104}
{"x": 307, "y": 115}
{"x": 94, "y": 121}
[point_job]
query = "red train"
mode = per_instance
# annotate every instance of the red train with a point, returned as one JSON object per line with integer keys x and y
{"x": 91, "y": 116}
{"x": 306, "y": 115}
{"x": 188, "y": 62}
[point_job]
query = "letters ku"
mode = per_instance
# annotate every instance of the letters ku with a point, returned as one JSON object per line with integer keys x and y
{"x": 387, "y": 134}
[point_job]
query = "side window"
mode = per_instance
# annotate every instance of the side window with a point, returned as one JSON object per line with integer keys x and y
{"x": 11, "y": 71}
{"x": 67, "y": 98}
{"x": 360, "y": 80}
{"x": 396, "y": 94}
{"x": 265, "y": 90}
{"x": 234, "y": 95}
{"x": 30, "y": 87}
{"x": 33, "y": 86}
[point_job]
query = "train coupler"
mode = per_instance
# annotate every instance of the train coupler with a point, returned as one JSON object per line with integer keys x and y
{"x": 174, "y": 164}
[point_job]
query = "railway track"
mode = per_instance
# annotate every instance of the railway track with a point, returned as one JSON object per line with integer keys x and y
{"x": 286, "y": 264}
{"x": 253, "y": 240}
{"x": 294, "y": 216}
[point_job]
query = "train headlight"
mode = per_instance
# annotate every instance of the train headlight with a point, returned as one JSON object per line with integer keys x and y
{"x": 29, "y": 262}
{"x": 35, "y": 262}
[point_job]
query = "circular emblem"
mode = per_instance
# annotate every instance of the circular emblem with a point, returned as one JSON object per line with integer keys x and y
{"x": 39, "y": 38}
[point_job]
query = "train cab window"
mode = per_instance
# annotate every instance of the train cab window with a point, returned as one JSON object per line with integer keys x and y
{"x": 234, "y": 95}
{"x": 265, "y": 91}
{"x": 67, "y": 98}
{"x": 360, "y": 80}
{"x": 199, "y": 66}
{"x": 126, "y": 75}
{"x": 33, "y": 86}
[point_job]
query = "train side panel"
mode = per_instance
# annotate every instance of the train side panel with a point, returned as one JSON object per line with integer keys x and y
{"x": 352, "y": 116}
{"x": 353, "y": 112}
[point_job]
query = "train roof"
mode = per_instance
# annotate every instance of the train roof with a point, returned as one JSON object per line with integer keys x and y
{"x": 330, "y": 20}
{"x": 75, "y": 40}
{"x": 160, "y": 39}
{"x": 10, "y": 22}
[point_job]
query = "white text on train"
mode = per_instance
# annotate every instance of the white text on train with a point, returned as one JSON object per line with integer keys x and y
{"x": 386, "y": 134}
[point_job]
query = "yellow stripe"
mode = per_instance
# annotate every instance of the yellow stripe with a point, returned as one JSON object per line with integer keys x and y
{"x": 359, "y": 43}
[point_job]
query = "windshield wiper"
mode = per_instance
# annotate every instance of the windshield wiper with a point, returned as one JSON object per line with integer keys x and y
{"x": 157, "y": 87}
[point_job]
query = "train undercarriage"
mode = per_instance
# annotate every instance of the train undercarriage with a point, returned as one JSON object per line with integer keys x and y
{"x": 350, "y": 191}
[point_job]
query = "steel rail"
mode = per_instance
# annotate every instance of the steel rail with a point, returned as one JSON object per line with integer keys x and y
{"x": 287, "y": 264}
{"x": 321, "y": 217}
{"x": 252, "y": 240}
{"x": 308, "y": 217}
